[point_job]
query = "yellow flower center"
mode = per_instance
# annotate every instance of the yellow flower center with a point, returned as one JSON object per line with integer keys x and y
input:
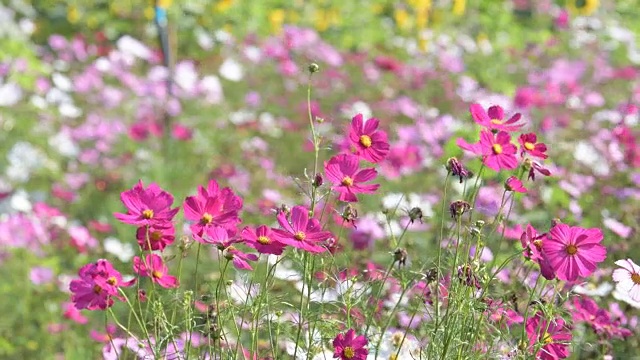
{"x": 497, "y": 149}
{"x": 537, "y": 244}
{"x": 206, "y": 218}
{"x": 571, "y": 249}
{"x": 147, "y": 214}
{"x": 347, "y": 181}
{"x": 299, "y": 236}
{"x": 155, "y": 236}
{"x": 496, "y": 122}
{"x": 529, "y": 146}
{"x": 348, "y": 352}
{"x": 546, "y": 338}
{"x": 393, "y": 357}
{"x": 635, "y": 277}
{"x": 365, "y": 141}
{"x": 97, "y": 289}
{"x": 264, "y": 240}
{"x": 157, "y": 274}
{"x": 112, "y": 280}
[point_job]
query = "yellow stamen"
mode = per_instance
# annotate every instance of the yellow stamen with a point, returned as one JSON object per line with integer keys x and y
{"x": 529, "y": 146}
{"x": 365, "y": 141}
{"x": 497, "y": 149}
{"x": 299, "y": 236}
{"x": 206, "y": 218}
{"x": 571, "y": 249}
{"x": 264, "y": 240}
{"x": 347, "y": 181}
{"x": 635, "y": 277}
{"x": 348, "y": 352}
{"x": 496, "y": 122}
{"x": 147, "y": 214}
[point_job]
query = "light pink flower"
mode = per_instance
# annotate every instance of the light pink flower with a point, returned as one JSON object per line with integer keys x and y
{"x": 628, "y": 278}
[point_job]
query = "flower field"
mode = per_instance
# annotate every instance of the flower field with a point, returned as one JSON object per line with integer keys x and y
{"x": 320, "y": 180}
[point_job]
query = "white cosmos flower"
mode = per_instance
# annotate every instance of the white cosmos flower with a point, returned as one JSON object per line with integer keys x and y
{"x": 628, "y": 278}
{"x": 123, "y": 251}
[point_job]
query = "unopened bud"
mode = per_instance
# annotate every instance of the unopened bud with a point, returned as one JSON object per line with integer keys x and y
{"x": 317, "y": 180}
{"x": 313, "y": 68}
{"x": 415, "y": 214}
{"x": 458, "y": 208}
{"x": 400, "y": 255}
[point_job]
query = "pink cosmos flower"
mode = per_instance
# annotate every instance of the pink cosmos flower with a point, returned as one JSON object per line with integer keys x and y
{"x": 240, "y": 259}
{"x": 159, "y": 236}
{"x": 536, "y": 167}
{"x": 98, "y": 283}
{"x": 494, "y": 118}
{"x": 72, "y": 313}
{"x": 301, "y": 232}
{"x": 262, "y": 240}
{"x": 146, "y": 206}
{"x": 213, "y": 206}
{"x": 218, "y": 236}
{"x": 587, "y": 310}
{"x": 529, "y": 144}
{"x": 497, "y": 150}
{"x": 348, "y": 346}
{"x": 553, "y": 335}
{"x": 532, "y": 244}
{"x": 628, "y": 278}
{"x": 573, "y": 252}
{"x": 367, "y": 141}
{"x": 154, "y": 267}
{"x": 342, "y": 170}
{"x": 514, "y": 184}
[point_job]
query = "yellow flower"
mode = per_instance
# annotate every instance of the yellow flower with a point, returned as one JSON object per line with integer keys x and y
{"x": 73, "y": 15}
{"x": 401, "y": 16}
{"x": 459, "y": 7}
{"x": 223, "y": 5}
{"x": 276, "y": 18}
{"x": 164, "y": 4}
{"x": 583, "y": 7}
{"x": 149, "y": 13}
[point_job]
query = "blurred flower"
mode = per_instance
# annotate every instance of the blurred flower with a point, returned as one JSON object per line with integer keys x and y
{"x": 40, "y": 275}
{"x": 514, "y": 184}
{"x": 98, "y": 283}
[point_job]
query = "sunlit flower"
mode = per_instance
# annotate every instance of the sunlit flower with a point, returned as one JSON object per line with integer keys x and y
{"x": 553, "y": 335}
{"x": 367, "y": 141}
{"x": 343, "y": 171}
{"x": 154, "y": 267}
{"x": 627, "y": 278}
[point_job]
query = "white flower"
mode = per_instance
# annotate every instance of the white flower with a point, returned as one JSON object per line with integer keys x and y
{"x": 123, "y": 251}
{"x": 134, "y": 47}
{"x": 591, "y": 289}
{"x": 231, "y": 70}
{"x": 10, "y": 94}
{"x": 628, "y": 278}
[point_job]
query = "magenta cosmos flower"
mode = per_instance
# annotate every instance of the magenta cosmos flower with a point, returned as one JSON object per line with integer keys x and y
{"x": 348, "y": 346}
{"x": 239, "y": 259}
{"x": 497, "y": 150}
{"x": 554, "y": 337}
{"x": 367, "y": 141}
{"x": 493, "y": 119}
{"x": 514, "y": 184}
{"x": 213, "y": 206}
{"x": 628, "y": 278}
{"x": 573, "y": 252}
{"x": 218, "y": 236}
{"x": 98, "y": 283}
{"x": 157, "y": 236}
{"x": 532, "y": 244}
{"x": 301, "y": 232}
{"x": 153, "y": 267}
{"x": 529, "y": 144}
{"x": 342, "y": 170}
{"x": 262, "y": 240}
{"x": 146, "y": 206}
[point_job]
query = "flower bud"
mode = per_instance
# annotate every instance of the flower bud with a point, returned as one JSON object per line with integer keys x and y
{"x": 458, "y": 208}
{"x": 415, "y": 214}
{"x": 313, "y": 68}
